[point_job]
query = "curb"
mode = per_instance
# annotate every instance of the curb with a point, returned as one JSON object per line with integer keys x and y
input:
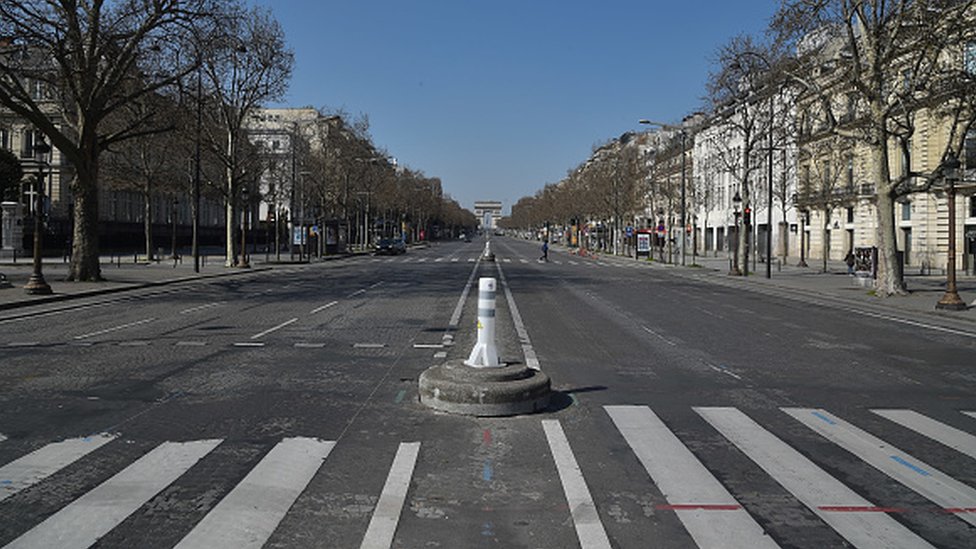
{"x": 134, "y": 286}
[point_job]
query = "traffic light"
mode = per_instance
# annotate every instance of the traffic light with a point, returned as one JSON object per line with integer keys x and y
{"x": 747, "y": 216}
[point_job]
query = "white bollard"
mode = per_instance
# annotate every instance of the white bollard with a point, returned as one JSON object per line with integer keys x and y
{"x": 484, "y": 354}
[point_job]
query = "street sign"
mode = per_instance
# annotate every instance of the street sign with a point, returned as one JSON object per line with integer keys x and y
{"x": 298, "y": 236}
{"x": 643, "y": 243}
{"x": 660, "y": 228}
{"x": 629, "y": 231}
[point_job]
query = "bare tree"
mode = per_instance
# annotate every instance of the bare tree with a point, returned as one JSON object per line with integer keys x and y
{"x": 76, "y": 63}
{"x": 247, "y": 64}
{"x": 892, "y": 61}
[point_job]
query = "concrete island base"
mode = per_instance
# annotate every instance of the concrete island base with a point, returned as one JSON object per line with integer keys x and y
{"x": 510, "y": 390}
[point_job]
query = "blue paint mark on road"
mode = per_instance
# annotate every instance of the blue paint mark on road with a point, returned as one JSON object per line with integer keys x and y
{"x": 818, "y": 415}
{"x": 486, "y": 471}
{"x": 400, "y": 395}
{"x": 912, "y": 466}
{"x": 6, "y": 482}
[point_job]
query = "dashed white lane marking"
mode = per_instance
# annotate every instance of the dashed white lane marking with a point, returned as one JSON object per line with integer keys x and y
{"x": 249, "y": 514}
{"x": 956, "y": 439}
{"x": 438, "y": 260}
{"x": 310, "y": 345}
{"x": 376, "y": 285}
{"x": 23, "y": 344}
{"x": 357, "y": 292}
{"x": 822, "y": 493}
{"x": 428, "y": 345}
{"x": 917, "y": 475}
{"x": 589, "y": 529}
{"x": 139, "y": 343}
{"x": 323, "y": 307}
{"x": 706, "y": 509}
{"x": 259, "y": 335}
{"x": 455, "y": 259}
{"x": 573, "y": 263}
{"x": 971, "y": 414}
{"x": 382, "y": 525}
{"x": 440, "y": 354}
{"x": 94, "y": 514}
{"x": 191, "y": 343}
{"x": 2, "y": 437}
{"x": 661, "y": 337}
{"x": 558, "y": 262}
{"x": 523, "y": 260}
{"x": 471, "y": 260}
{"x": 201, "y": 307}
{"x": 725, "y": 371}
{"x": 44, "y": 462}
{"x": 249, "y": 344}
{"x": 369, "y": 345}
{"x": 422, "y": 260}
{"x": 114, "y": 329}
{"x": 507, "y": 260}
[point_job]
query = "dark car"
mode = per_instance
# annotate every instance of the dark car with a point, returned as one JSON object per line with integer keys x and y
{"x": 390, "y": 246}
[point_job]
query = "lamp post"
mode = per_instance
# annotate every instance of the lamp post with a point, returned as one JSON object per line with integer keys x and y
{"x": 36, "y": 285}
{"x": 736, "y": 201}
{"x": 803, "y": 243}
{"x": 684, "y": 218}
{"x": 244, "y": 207}
{"x": 950, "y": 300}
{"x": 173, "y": 221}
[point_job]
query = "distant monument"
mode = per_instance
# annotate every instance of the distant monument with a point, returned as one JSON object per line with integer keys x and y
{"x": 488, "y": 213}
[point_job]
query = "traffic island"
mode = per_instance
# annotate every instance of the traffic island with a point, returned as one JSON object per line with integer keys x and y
{"x": 482, "y": 385}
{"x": 508, "y": 390}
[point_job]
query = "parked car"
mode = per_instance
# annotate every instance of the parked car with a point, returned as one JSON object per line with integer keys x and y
{"x": 390, "y": 246}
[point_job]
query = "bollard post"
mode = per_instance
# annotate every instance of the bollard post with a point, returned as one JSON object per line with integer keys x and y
{"x": 485, "y": 354}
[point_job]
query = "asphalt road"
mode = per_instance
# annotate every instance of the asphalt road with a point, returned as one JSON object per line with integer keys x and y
{"x": 280, "y": 409}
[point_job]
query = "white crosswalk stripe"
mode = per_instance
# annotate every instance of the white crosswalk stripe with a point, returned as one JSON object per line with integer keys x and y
{"x": 853, "y": 517}
{"x": 921, "y": 477}
{"x": 706, "y": 509}
{"x": 971, "y": 414}
{"x": 589, "y": 529}
{"x": 939, "y": 432}
{"x": 94, "y": 514}
{"x": 249, "y": 514}
{"x": 383, "y": 523}
{"x": 44, "y": 462}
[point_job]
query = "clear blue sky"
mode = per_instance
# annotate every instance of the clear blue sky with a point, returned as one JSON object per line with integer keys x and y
{"x": 500, "y": 97}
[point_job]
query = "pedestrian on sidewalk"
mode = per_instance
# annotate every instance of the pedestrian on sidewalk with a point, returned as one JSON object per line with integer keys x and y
{"x": 849, "y": 259}
{"x": 545, "y": 252}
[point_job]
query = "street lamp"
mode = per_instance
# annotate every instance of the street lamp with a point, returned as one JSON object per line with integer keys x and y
{"x": 36, "y": 285}
{"x": 951, "y": 300}
{"x": 173, "y": 256}
{"x": 803, "y": 232}
{"x": 244, "y": 207}
{"x": 684, "y": 221}
{"x": 736, "y": 201}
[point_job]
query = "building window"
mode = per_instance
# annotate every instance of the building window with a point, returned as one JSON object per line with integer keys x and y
{"x": 972, "y": 206}
{"x": 850, "y": 173}
{"x": 27, "y": 144}
{"x": 906, "y": 211}
{"x": 4, "y": 139}
{"x": 850, "y": 215}
{"x": 970, "y": 57}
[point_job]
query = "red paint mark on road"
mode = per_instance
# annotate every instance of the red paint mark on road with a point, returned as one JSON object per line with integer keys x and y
{"x": 701, "y": 506}
{"x": 486, "y": 437}
{"x": 959, "y": 510}
{"x": 860, "y": 509}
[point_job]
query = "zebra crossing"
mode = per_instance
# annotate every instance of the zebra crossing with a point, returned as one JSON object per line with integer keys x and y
{"x": 621, "y": 264}
{"x": 706, "y": 507}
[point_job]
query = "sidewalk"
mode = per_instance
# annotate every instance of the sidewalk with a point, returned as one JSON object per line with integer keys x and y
{"x": 836, "y": 284}
{"x": 120, "y": 274}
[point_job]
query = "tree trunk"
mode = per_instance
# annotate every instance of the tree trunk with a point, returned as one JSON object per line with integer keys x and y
{"x": 824, "y": 238}
{"x": 890, "y": 279}
{"x": 85, "y": 265}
